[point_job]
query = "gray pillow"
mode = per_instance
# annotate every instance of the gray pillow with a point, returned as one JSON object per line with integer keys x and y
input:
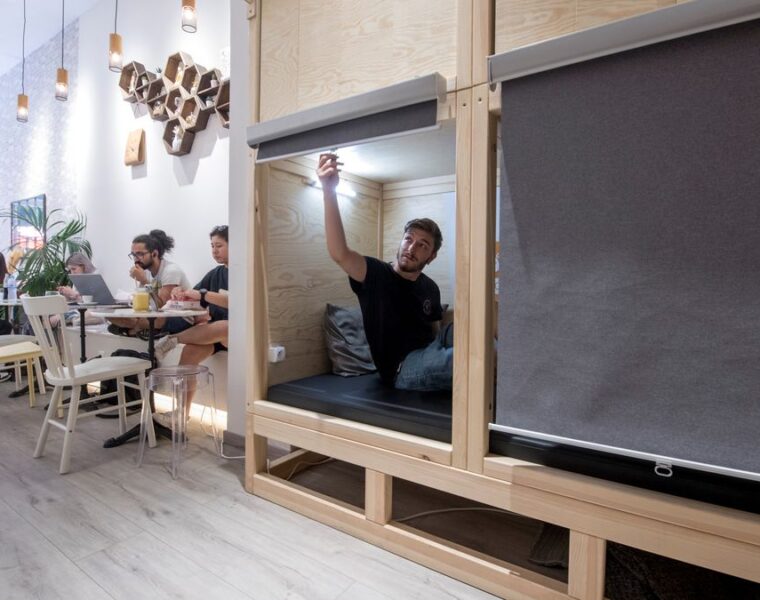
{"x": 346, "y": 342}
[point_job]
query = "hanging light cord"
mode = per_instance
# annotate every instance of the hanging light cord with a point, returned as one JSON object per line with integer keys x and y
{"x": 115, "y": 14}
{"x": 63, "y": 11}
{"x": 23, "y": 51}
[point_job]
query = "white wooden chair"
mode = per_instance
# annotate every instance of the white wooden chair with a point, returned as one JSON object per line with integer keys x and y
{"x": 7, "y": 340}
{"x": 65, "y": 372}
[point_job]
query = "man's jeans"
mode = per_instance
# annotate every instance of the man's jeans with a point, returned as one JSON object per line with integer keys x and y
{"x": 429, "y": 368}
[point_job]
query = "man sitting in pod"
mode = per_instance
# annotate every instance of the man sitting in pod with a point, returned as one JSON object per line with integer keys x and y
{"x": 401, "y": 306}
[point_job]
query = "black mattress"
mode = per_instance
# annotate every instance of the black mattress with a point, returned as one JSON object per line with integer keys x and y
{"x": 366, "y": 400}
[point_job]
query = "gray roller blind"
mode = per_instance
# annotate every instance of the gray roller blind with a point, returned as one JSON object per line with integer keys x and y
{"x": 630, "y": 251}
{"x": 405, "y": 107}
{"x": 399, "y": 121}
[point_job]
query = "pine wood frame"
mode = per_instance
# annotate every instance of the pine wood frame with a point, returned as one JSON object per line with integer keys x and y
{"x": 595, "y": 511}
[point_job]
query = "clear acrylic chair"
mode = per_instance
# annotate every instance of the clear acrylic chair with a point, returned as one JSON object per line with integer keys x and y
{"x": 177, "y": 382}
{"x": 63, "y": 371}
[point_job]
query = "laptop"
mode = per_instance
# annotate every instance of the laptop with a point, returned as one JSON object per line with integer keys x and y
{"x": 92, "y": 284}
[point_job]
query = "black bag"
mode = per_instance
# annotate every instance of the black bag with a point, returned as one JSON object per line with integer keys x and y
{"x": 109, "y": 386}
{"x": 6, "y": 328}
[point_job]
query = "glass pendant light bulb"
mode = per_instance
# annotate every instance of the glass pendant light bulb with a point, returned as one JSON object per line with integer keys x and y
{"x": 62, "y": 85}
{"x": 22, "y": 108}
{"x": 189, "y": 16}
{"x": 114, "y": 52}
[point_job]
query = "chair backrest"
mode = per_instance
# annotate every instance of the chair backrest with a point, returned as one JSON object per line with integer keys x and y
{"x": 39, "y": 309}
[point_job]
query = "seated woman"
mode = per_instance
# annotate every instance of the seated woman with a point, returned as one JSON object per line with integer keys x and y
{"x": 209, "y": 335}
{"x": 76, "y": 264}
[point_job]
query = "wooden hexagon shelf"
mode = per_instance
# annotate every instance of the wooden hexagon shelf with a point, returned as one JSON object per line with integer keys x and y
{"x": 177, "y": 140}
{"x": 156, "y": 99}
{"x": 185, "y": 96}
{"x": 175, "y": 67}
{"x": 223, "y": 103}
{"x": 129, "y": 80}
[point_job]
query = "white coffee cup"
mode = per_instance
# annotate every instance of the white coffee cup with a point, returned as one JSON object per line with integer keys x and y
{"x": 87, "y": 299}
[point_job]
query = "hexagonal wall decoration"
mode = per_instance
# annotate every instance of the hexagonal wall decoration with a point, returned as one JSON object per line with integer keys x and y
{"x": 185, "y": 95}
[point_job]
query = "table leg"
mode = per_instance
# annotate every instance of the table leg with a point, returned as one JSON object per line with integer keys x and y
{"x": 82, "y": 335}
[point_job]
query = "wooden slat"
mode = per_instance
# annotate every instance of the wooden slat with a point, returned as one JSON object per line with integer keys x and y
{"x": 586, "y": 567}
{"x": 280, "y": 52}
{"x": 378, "y": 496}
{"x": 482, "y": 260}
{"x": 521, "y": 22}
{"x": 403, "y": 443}
{"x": 591, "y": 13}
{"x": 715, "y": 520}
{"x": 464, "y": 44}
{"x": 491, "y": 575}
{"x": 462, "y": 293}
{"x": 482, "y": 39}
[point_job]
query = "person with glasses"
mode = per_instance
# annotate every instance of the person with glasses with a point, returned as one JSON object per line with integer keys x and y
{"x": 151, "y": 269}
{"x": 210, "y": 334}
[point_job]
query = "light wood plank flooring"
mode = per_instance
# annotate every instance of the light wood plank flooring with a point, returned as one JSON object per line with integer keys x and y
{"x": 111, "y": 530}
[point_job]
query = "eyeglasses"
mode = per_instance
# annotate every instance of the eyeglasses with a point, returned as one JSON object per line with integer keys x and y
{"x": 137, "y": 255}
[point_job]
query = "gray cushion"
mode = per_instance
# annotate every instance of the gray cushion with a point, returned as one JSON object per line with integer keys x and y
{"x": 346, "y": 342}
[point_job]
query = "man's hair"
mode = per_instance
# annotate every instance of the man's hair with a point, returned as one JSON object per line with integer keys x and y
{"x": 429, "y": 226}
{"x": 156, "y": 240}
{"x": 220, "y": 231}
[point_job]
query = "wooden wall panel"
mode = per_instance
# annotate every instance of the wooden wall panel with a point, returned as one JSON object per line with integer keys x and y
{"x": 279, "y": 62}
{"x": 521, "y": 22}
{"x": 318, "y": 51}
{"x": 302, "y": 277}
{"x": 441, "y": 208}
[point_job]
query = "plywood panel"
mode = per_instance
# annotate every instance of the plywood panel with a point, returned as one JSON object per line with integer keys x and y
{"x": 306, "y": 63}
{"x": 440, "y": 207}
{"x": 521, "y": 22}
{"x": 279, "y": 52}
{"x": 598, "y": 12}
{"x": 301, "y": 275}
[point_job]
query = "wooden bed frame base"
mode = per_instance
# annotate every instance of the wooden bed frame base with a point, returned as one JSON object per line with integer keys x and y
{"x": 594, "y": 510}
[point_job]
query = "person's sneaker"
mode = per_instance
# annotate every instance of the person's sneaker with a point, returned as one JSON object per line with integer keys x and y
{"x": 164, "y": 346}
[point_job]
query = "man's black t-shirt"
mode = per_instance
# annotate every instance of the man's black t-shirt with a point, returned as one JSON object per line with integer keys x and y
{"x": 397, "y": 314}
{"x": 213, "y": 281}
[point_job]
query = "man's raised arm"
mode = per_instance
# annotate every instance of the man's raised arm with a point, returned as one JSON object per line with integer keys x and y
{"x": 349, "y": 260}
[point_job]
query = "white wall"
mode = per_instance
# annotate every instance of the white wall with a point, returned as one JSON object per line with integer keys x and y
{"x": 239, "y": 358}
{"x": 186, "y": 196}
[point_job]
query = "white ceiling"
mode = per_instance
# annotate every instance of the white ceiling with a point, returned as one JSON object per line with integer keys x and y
{"x": 43, "y": 21}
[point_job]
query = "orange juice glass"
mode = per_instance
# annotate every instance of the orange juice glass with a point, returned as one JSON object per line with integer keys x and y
{"x": 141, "y": 301}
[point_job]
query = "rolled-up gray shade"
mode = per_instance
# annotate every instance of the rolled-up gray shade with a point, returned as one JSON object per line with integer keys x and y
{"x": 406, "y": 106}
{"x": 408, "y": 119}
{"x": 630, "y": 249}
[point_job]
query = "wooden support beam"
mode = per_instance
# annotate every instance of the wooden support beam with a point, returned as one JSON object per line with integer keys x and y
{"x": 378, "y": 499}
{"x": 586, "y": 566}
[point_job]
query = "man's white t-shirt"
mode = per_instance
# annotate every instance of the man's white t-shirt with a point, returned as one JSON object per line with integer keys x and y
{"x": 169, "y": 274}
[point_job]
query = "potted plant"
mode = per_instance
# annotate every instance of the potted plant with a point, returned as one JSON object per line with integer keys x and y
{"x": 44, "y": 268}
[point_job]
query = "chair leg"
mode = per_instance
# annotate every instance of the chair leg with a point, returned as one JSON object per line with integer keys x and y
{"x": 52, "y": 407}
{"x": 17, "y": 373}
{"x": 30, "y": 381}
{"x": 121, "y": 397}
{"x": 71, "y": 423}
{"x": 40, "y": 375}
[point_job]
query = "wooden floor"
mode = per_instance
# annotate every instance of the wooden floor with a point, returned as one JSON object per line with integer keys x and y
{"x": 111, "y": 530}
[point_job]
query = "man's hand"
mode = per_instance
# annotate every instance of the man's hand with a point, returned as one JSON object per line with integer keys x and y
{"x": 328, "y": 171}
{"x": 181, "y": 295}
{"x": 138, "y": 274}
